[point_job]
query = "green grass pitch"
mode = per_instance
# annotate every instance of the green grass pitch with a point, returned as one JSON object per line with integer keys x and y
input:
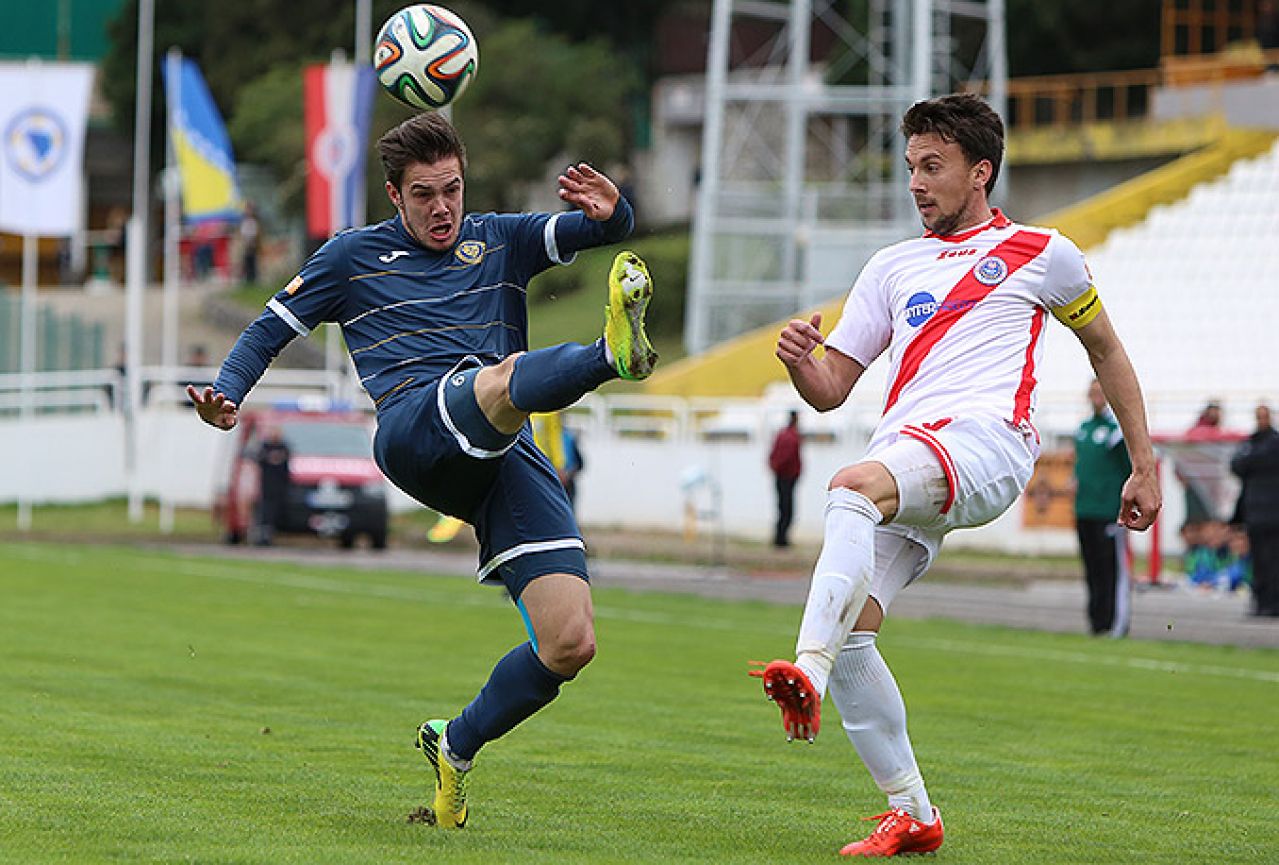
{"x": 156, "y": 708}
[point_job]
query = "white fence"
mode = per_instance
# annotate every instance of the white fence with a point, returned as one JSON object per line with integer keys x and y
{"x": 651, "y": 462}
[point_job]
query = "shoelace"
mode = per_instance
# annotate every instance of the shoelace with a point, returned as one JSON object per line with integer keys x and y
{"x": 459, "y": 791}
{"x": 888, "y": 821}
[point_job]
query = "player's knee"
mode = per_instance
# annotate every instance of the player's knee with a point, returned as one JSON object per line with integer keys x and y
{"x": 493, "y": 394}
{"x": 570, "y": 650}
{"x": 859, "y": 478}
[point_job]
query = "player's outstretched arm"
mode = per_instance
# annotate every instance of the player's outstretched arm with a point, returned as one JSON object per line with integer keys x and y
{"x": 590, "y": 191}
{"x": 214, "y": 408}
{"x": 824, "y": 384}
{"x": 1141, "y": 498}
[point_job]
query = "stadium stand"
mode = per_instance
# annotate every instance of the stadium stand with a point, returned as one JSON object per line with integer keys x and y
{"x": 1191, "y": 288}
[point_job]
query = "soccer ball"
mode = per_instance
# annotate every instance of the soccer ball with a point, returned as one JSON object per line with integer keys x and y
{"x": 425, "y": 56}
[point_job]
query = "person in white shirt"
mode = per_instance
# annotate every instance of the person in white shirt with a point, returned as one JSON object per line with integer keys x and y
{"x": 960, "y": 312}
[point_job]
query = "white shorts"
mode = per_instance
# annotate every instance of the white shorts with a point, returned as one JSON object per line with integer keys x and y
{"x": 958, "y": 474}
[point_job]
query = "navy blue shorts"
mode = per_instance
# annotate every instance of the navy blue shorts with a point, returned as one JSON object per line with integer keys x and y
{"x": 434, "y": 444}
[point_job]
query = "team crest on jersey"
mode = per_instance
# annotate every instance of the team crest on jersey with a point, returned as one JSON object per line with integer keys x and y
{"x": 991, "y": 270}
{"x": 470, "y": 251}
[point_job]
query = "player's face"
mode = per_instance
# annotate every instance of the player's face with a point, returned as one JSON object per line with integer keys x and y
{"x": 949, "y": 193}
{"x": 430, "y": 201}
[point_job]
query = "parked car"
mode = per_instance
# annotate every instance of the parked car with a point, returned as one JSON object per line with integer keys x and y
{"x": 335, "y": 488}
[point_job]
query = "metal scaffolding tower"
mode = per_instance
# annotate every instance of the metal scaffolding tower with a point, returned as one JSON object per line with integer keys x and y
{"x": 802, "y": 177}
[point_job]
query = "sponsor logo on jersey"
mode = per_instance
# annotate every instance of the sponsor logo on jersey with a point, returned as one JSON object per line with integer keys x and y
{"x": 920, "y": 308}
{"x": 470, "y": 251}
{"x": 392, "y": 255}
{"x": 923, "y": 306}
{"x": 956, "y": 253}
{"x": 991, "y": 270}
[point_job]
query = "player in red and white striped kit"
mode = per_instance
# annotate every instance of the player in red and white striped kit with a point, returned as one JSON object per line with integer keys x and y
{"x": 961, "y": 312}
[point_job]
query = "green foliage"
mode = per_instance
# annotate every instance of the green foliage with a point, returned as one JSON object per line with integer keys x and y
{"x": 527, "y": 106}
{"x": 566, "y": 304}
{"x": 1082, "y": 36}
{"x": 174, "y": 708}
{"x": 538, "y": 96}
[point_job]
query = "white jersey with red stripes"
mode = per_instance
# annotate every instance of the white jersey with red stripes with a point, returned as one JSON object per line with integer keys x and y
{"x": 962, "y": 318}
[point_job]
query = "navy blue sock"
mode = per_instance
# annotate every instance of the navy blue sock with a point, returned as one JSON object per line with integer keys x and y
{"x": 550, "y": 379}
{"x": 519, "y": 685}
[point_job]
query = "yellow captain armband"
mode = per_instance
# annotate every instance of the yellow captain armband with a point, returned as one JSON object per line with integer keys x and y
{"x": 1080, "y": 311}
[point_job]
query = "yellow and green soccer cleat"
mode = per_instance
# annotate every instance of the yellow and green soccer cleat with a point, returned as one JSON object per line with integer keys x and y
{"x": 450, "y": 783}
{"x": 629, "y": 290}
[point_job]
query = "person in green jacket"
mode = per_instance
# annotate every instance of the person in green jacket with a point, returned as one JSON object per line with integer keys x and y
{"x": 1101, "y": 467}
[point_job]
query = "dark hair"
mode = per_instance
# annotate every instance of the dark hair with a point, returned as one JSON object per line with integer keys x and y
{"x": 966, "y": 120}
{"x": 426, "y": 137}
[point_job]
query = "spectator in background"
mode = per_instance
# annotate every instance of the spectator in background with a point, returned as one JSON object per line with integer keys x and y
{"x": 1257, "y": 465}
{"x": 786, "y": 465}
{"x": 573, "y": 465}
{"x": 273, "y": 485}
{"x": 250, "y": 240}
{"x": 1101, "y": 468}
{"x": 1206, "y": 428}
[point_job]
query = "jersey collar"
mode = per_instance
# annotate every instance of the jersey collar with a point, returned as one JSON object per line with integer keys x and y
{"x": 996, "y": 221}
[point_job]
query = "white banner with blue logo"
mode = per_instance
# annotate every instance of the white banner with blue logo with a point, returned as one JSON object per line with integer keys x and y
{"x": 44, "y": 108}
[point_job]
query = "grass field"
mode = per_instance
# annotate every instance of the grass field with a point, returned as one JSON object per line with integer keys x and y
{"x": 156, "y": 708}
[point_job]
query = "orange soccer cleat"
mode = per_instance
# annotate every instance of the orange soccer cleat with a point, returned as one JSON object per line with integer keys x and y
{"x": 788, "y": 687}
{"x": 898, "y": 833}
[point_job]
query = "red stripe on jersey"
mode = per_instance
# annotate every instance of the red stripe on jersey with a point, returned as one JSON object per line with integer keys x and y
{"x": 1021, "y": 406}
{"x": 943, "y": 457}
{"x": 1015, "y": 252}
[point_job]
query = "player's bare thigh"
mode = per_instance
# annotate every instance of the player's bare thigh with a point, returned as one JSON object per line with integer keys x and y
{"x": 493, "y": 393}
{"x": 560, "y": 611}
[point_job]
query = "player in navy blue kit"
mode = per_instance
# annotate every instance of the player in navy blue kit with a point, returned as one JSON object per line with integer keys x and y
{"x": 432, "y": 306}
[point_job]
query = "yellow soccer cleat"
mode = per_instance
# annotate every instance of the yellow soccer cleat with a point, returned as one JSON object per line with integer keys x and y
{"x": 629, "y": 290}
{"x": 450, "y": 783}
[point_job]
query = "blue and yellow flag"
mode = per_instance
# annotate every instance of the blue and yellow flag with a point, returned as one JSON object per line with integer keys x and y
{"x": 201, "y": 146}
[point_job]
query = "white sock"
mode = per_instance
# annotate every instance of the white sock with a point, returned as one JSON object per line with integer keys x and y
{"x": 841, "y": 583}
{"x": 874, "y": 716}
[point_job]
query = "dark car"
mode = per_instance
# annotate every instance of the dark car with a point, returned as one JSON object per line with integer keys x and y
{"x": 335, "y": 489}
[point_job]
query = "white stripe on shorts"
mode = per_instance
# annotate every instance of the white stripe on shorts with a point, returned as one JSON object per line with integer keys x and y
{"x": 524, "y": 549}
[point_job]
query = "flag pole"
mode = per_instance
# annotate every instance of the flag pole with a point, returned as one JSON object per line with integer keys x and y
{"x": 172, "y": 231}
{"x": 172, "y": 217}
{"x": 363, "y": 52}
{"x": 27, "y": 362}
{"x": 136, "y": 258}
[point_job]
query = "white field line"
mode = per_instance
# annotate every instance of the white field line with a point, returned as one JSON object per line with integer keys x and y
{"x": 311, "y": 583}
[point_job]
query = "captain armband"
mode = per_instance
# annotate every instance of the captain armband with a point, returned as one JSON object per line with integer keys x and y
{"x": 1081, "y": 311}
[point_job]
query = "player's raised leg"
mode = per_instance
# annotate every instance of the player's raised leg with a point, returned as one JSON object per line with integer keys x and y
{"x": 859, "y": 499}
{"x": 550, "y": 379}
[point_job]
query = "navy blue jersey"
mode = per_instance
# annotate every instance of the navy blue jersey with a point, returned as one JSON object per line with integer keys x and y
{"x": 409, "y": 314}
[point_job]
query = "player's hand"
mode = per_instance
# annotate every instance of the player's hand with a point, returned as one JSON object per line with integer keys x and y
{"x": 1140, "y": 501}
{"x": 214, "y": 408}
{"x": 589, "y": 191}
{"x": 798, "y": 339}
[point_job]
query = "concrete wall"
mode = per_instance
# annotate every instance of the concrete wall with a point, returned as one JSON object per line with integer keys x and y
{"x": 644, "y": 469}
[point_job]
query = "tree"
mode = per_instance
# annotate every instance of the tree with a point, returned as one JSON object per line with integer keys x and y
{"x": 538, "y": 95}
